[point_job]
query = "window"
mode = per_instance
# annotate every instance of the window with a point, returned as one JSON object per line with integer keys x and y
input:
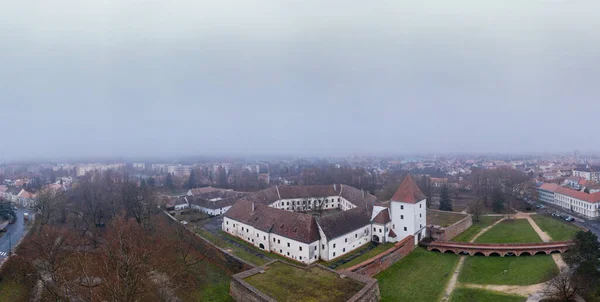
{"x": 247, "y": 230}
{"x": 288, "y": 244}
{"x": 264, "y": 237}
{"x": 344, "y": 250}
{"x": 404, "y": 228}
{"x": 315, "y": 247}
{"x": 380, "y": 230}
{"x": 278, "y": 241}
{"x": 355, "y": 235}
{"x": 256, "y": 235}
{"x": 401, "y": 207}
{"x": 401, "y": 216}
{"x": 227, "y": 229}
{"x": 393, "y": 226}
{"x": 338, "y": 199}
{"x": 300, "y": 248}
{"x": 322, "y": 246}
{"x": 420, "y": 225}
{"x": 273, "y": 239}
{"x": 334, "y": 245}
{"x": 420, "y": 205}
{"x": 300, "y": 257}
{"x": 242, "y": 228}
{"x": 346, "y": 240}
{"x": 420, "y": 215}
{"x": 333, "y": 254}
{"x": 288, "y": 253}
{"x": 227, "y": 222}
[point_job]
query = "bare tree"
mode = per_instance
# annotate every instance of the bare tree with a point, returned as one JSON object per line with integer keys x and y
{"x": 50, "y": 206}
{"x": 476, "y": 209}
{"x": 140, "y": 202}
{"x": 561, "y": 287}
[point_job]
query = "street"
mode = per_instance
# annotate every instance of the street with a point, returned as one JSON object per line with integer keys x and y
{"x": 15, "y": 230}
{"x": 590, "y": 224}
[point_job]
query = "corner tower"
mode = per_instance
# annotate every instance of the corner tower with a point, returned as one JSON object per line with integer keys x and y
{"x": 408, "y": 210}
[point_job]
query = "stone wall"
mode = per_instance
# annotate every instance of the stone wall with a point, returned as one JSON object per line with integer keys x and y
{"x": 242, "y": 291}
{"x": 446, "y": 234}
{"x": 218, "y": 256}
{"x": 384, "y": 260}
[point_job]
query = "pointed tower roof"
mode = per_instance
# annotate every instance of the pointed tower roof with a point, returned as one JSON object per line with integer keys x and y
{"x": 408, "y": 191}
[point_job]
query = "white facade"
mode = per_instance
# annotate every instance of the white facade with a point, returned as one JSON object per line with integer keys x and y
{"x": 576, "y": 205}
{"x": 299, "y": 251}
{"x": 408, "y": 219}
{"x": 209, "y": 211}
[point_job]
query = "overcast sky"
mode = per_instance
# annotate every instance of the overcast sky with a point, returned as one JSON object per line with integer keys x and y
{"x": 157, "y": 77}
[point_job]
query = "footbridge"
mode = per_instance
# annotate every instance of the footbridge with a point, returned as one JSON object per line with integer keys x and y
{"x": 494, "y": 249}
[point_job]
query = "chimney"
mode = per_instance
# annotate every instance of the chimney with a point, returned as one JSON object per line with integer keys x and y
{"x": 334, "y": 188}
{"x": 253, "y": 207}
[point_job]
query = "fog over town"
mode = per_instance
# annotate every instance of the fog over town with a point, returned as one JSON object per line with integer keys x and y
{"x": 152, "y": 78}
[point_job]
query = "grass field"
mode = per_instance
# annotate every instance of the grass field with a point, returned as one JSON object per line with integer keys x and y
{"x": 557, "y": 229}
{"x": 287, "y": 283}
{"x": 420, "y": 276}
{"x": 213, "y": 284}
{"x": 523, "y": 270}
{"x": 510, "y": 231}
{"x": 484, "y": 221}
{"x": 372, "y": 253}
{"x": 443, "y": 219}
{"x": 480, "y": 295}
{"x": 240, "y": 252}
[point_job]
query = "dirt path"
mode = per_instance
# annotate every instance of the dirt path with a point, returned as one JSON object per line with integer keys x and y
{"x": 545, "y": 237}
{"x": 486, "y": 229}
{"x": 519, "y": 290}
{"x": 454, "y": 280}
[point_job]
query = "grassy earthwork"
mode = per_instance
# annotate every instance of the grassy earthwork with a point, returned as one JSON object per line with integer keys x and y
{"x": 510, "y": 231}
{"x": 480, "y": 295}
{"x": 420, "y": 276}
{"x": 484, "y": 221}
{"x": 522, "y": 270}
{"x": 557, "y": 229}
{"x": 443, "y": 219}
{"x": 287, "y": 283}
{"x": 366, "y": 256}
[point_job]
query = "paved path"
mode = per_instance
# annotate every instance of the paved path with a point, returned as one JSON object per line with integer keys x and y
{"x": 545, "y": 237}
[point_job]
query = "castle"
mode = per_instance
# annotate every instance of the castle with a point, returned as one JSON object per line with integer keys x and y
{"x": 275, "y": 219}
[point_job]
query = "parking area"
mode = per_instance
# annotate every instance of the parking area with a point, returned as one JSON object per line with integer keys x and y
{"x": 590, "y": 224}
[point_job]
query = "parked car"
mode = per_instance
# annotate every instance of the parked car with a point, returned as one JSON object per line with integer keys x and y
{"x": 555, "y": 214}
{"x": 570, "y": 219}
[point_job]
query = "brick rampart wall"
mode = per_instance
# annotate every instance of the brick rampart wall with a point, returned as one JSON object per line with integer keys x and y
{"x": 447, "y": 233}
{"x": 384, "y": 260}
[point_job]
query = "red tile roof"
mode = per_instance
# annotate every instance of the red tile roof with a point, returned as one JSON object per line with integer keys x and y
{"x": 382, "y": 217}
{"x": 579, "y": 195}
{"x": 408, "y": 191}
{"x": 549, "y": 187}
{"x": 392, "y": 234}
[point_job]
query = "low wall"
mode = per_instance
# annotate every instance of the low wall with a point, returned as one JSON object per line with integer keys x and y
{"x": 220, "y": 257}
{"x": 384, "y": 260}
{"x": 447, "y": 233}
{"x": 242, "y": 291}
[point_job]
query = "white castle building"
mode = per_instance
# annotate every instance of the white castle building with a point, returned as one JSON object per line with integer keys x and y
{"x": 273, "y": 219}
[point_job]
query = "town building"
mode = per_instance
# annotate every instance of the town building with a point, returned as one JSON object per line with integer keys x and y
{"x": 576, "y": 201}
{"x": 588, "y": 172}
{"x": 308, "y": 223}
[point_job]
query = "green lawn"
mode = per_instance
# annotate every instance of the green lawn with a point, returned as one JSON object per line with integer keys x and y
{"x": 510, "y": 231}
{"x": 557, "y": 229}
{"x": 372, "y": 253}
{"x": 420, "y": 276}
{"x": 484, "y": 221}
{"x": 287, "y": 283}
{"x": 213, "y": 284}
{"x": 523, "y": 270}
{"x": 480, "y": 295}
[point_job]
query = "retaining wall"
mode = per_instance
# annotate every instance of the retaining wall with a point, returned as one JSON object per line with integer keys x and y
{"x": 447, "y": 233}
{"x": 386, "y": 259}
{"x": 242, "y": 291}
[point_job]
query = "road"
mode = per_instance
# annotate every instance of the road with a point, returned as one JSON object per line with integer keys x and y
{"x": 16, "y": 231}
{"x": 590, "y": 224}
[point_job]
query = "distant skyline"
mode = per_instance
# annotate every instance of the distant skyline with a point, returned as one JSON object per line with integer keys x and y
{"x": 155, "y": 78}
